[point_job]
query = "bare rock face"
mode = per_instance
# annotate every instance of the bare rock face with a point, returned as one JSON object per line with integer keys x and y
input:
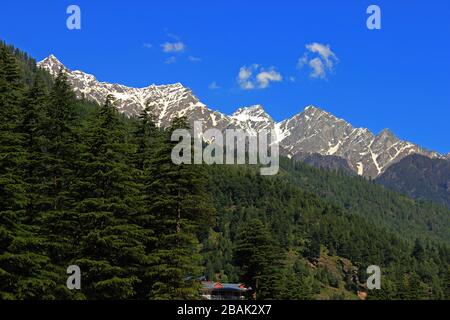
{"x": 313, "y": 131}
{"x": 317, "y": 131}
{"x": 331, "y": 163}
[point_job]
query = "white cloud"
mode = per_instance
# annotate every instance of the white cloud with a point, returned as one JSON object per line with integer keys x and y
{"x": 213, "y": 86}
{"x": 194, "y": 59}
{"x": 244, "y": 76}
{"x": 147, "y": 45}
{"x": 265, "y": 77}
{"x": 173, "y": 46}
{"x": 245, "y": 73}
{"x": 256, "y": 77}
{"x": 324, "y": 51}
{"x": 318, "y": 69}
{"x": 320, "y": 58}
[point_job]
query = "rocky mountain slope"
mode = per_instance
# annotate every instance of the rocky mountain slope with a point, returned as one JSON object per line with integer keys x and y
{"x": 331, "y": 163}
{"x": 313, "y": 131}
{"x": 420, "y": 178}
{"x": 317, "y": 131}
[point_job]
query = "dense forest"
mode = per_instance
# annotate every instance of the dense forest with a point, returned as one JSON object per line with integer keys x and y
{"x": 82, "y": 185}
{"x": 388, "y": 209}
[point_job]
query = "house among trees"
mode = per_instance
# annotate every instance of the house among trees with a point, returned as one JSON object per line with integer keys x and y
{"x": 224, "y": 291}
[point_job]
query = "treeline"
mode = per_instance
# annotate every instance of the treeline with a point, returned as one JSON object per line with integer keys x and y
{"x": 95, "y": 190}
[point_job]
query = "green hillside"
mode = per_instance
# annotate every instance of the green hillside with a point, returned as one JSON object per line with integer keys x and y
{"x": 304, "y": 225}
{"x": 404, "y": 216}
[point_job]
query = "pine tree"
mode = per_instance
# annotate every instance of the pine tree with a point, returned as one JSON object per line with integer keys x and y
{"x": 33, "y": 127}
{"x": 112, "y": 250}
{"x": 50, "y": 127}
{"x": 260, "y": 259}
{"x": 11, "y": 151}
{"x": 313, "y": 248}
{"x": 42, "y": 280}
{"x": 296, "y": 286}
{"x": 147, "y": 136}
{"x": 177, "y": 198}
{"x": 24, "y": 270}
{"x": 12, "y": 188}
{"x": 418, "y": 251}
{"x": 59, "y": 222}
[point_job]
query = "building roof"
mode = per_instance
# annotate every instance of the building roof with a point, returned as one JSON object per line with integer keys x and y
{"x": 211, "y": 285}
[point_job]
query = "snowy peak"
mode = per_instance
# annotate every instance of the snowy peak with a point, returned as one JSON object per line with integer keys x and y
{"x": 253, "y": 113}
{"x": 313, "y": 113}
{"x": 314, "y": 131}
{"x": 51, "y": 59}
{"x": 253, "y": 119}
{"x": 52, "y": 65}
{"x": 387, "y": 134}
{"x": 386, "y": 137}
{"x": 313, "y": 110}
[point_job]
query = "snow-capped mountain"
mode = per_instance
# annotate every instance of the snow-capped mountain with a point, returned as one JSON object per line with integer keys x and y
{"x": 168, "y": 101}
{"x": 253, "y": 119}
{"x": 317, "y": 131}
{"x": 313, "y": 131}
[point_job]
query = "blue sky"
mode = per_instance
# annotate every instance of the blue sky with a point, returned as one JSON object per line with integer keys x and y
{"x": 397, "y": 77}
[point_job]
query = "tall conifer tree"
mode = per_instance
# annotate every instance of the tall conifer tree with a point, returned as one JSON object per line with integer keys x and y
{"x": 179, "y": 202}
{"x": 24, "y": 269}
{"x": 112, "y": 248}
{"x": 260, "y": 259}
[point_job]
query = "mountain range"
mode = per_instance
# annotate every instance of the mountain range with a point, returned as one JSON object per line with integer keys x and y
{"x": 313, "y": 134}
